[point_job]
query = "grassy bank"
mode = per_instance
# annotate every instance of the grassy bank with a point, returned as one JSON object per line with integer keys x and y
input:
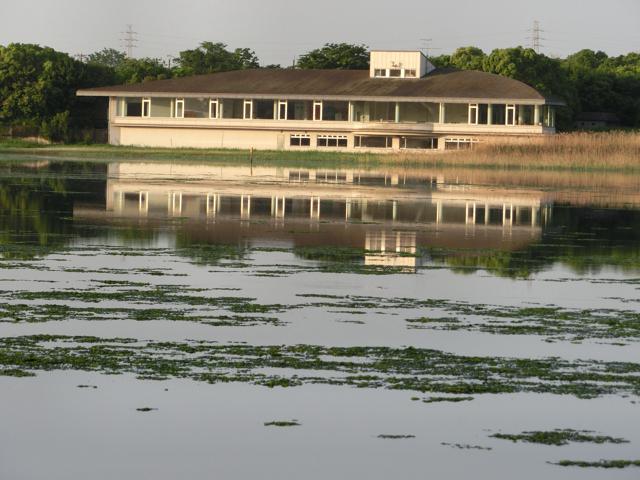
{"x": 614, "y": 151}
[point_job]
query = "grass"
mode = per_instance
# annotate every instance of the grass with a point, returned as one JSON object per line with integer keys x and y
{"x": 614, "y": 150}
{"x": 559, "y": 437}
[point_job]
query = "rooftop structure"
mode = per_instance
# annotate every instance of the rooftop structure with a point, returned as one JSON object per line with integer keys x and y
{"x": 402, "y": 102}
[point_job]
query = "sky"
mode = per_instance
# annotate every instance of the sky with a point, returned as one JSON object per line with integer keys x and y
{"x": 280, "y": 30}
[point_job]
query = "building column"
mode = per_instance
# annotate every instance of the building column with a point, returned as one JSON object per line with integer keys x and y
{"x": 490, "y": 114}
{"x": 441, "y": 113}
{"x": 536, "y": 115}
{"x": 397, "y": 112}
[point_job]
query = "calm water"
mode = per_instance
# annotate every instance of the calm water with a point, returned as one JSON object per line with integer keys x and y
{"x": 224, "y": 297}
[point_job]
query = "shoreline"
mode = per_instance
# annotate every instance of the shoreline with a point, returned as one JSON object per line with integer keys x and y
{"x": 581, "y": 151}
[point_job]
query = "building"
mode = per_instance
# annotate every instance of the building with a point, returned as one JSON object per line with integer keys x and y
{"x": 596, "y": 120}
{"x": 403, "y": 102}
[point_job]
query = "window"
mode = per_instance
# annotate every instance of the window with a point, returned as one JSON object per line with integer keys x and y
{"x": 300, "y": 140}
{"x": 395, "y": 72}
{"x": 456, "y": 113}
{"x": 338, "y": 111}
{"x": 317, "y": 110}
{"x": 410, "y": 73}
{"x": 263, "y": 109}
{"x": 179, "y": 108}
{"x": 332, "y": 141}
{"x": 459, "y": 143}
{"x": 231, "y": 108}
{"x": 196, "y": 108}
{"x": 161, "y": 107}
{"x": 373, "y": 142}
{"x": 213, "y": 109}
{"x": 247, "y": 112}
{"x": 511, "y": 115}
{"x": 283, "y": 107}
{"x": 132, "y": 107}
{"x": 424, "y": 143}
{"x": 146, "y": 107}
{"x": 380, "y": 72}
{"x": 473, "y": 113}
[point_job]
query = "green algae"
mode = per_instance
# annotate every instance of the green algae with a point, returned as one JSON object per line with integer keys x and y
{"x": 385, "y": 436}
{"x": 283, "y": 423}
{"x": 598, "y": 464}
{"x": 464, "y": 446}
{"x": 413, "y": 369}
{"x": 559, "y": 437}
{"x": 446, "y": 399}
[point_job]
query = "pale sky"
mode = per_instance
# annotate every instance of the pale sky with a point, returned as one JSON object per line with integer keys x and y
{"x": 279, "y": 30}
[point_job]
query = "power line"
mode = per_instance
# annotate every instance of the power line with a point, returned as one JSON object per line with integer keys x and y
{"x": 130, "y": 40}
{"x": 536, "y": 37}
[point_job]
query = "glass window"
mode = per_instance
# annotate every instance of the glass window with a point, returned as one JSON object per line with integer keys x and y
{"x": 410, "y": 73}
{"x": 499, "y": 116}
{"x": 473, "y": 113}
{"x": 300, "y": 140}
{"x": 132, "y": 107}
{"x": 332, "y": 141}
{"x": 338, "y": 111}
{"x": 425, "y": 143}
{"x": 232, "y": 108}
{"x": 373, "y": 142}
{"x": 456, "y": 113}
{"x": 161, "y": 107}
{"x": 511, "y": 115}
{"x": 263, "y": 109}
{"x": 299, "y": 110}
{"x": 196, "y": 107}
{"x": 380, "y": 72}
{"x": 395, "y": 72}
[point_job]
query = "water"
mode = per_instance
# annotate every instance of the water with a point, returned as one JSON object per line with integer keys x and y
{"x": 226, "y": 297}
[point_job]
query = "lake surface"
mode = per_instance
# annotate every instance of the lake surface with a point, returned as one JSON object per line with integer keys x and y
{"x": 155, "y": 316}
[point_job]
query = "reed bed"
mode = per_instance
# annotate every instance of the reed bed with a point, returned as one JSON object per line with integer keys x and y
{"x": 616, "y": 150}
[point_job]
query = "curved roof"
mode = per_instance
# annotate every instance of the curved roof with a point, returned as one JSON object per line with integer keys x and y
{"x": 440, "y": 84}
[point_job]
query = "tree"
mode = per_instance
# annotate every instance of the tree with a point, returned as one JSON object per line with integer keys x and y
{"x": 137, "y": 70}
{"x": 214, "y": 57}
{"x": 468, "y": 58}
{"x": 107, "y": 57}
{"x": 343, "y": 56}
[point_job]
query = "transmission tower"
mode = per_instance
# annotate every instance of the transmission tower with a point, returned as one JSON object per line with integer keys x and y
{"x": 536, "y": 37}
{"x": 129, "y": 40}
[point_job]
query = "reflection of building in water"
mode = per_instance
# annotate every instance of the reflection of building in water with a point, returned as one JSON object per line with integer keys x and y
{"x": 393, "y": 215}
{"x": 391, "y": 249}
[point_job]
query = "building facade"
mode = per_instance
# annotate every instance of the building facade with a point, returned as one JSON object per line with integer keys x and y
{"x": 401, "y": 103}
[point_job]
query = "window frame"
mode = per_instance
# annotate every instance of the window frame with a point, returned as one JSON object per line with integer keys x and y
{"x": 300, "y": 137}
{"x": 281, "y": 104}
{"x": 341, "y": 141}
{"x": 473, "y": 113}
{"x": 214, "y": 109}
{"x": 317, "y": 107}
{"x": 145, "y": 111}
{"x": 510, "y": 108}
{"x": 179, "y": 103}
{"x": 245, "y": 104}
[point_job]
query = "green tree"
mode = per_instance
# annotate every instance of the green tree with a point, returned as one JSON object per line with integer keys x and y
{"x": 212, "y": 57}
{"x": 468, "y": 58}
{"x": 343, "y": 56}
{"x": 137, "y": 70}
{"x": 107, "y": 57}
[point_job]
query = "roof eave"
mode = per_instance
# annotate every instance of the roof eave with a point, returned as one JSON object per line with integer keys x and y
{"x": 353, "y": 98}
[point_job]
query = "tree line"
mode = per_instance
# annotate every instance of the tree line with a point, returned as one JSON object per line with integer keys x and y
{"x": 38, "y": 84}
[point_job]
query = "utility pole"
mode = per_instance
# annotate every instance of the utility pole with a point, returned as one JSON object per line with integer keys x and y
{"x": 81, "y": 57}
{"x": 170, "y": 58}
{"x": 535, "y": 37}
{"x": 130, "y": 40}
{"x": 425, "y": 44}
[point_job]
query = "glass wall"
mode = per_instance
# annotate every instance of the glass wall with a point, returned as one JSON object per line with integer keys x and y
{"x": 374, "y": 111}
{"x": 196, "y": 108}
{"x": 300, "y": 110}
{"x": 132, "y": 107}
{"x": 419, "y": 112}
{"x": 338, "y": 111}
{"x": 499, "y": 114}
{"x": 161, "y": 107}
{"x": 264, "y": 109}
{"x": 456, "y": 113}
{"x": 232, "y": 107}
